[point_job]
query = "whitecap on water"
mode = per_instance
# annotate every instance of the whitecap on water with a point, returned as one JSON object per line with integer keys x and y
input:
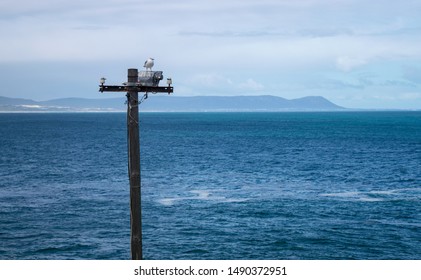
{"x": 370, "y": 199}
{"x": 377, "y": 195}
{"x": 200, "y": 195}
{"x": 168, "y": 201}
{"x": 360, "y": 196}
{"x": 342, "y": 194}
{"x": 388, "y": 192}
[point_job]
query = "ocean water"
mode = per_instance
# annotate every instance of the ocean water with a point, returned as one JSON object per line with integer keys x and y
{"x": 331, "y": 185}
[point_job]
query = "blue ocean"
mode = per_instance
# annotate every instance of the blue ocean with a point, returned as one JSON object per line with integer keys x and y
{"x": 288, "y": 185}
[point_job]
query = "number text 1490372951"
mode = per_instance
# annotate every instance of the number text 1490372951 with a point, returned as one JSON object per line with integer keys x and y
{"x": 257, "y": 270}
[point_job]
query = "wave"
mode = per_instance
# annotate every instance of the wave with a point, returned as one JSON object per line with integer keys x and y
{"x": 375, "y": 195}
{"x": 199, "y": 195}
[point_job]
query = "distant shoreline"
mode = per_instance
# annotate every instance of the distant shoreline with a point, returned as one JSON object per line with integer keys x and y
{"x": 198, "y": 112}
{"x": 185, "y": 104}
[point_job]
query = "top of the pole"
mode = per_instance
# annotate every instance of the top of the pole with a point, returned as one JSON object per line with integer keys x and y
{"x": 133, "y": 84}
{"x": 132, "y": 74}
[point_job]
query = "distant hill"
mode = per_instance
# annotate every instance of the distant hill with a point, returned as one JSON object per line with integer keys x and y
{"x": 237, "y": 103}
{"x": 15, "y": 101}
{"x": 165, "y": 103}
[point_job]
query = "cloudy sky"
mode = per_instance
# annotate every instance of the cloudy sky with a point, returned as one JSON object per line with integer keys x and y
{"x": 356, "y": 53}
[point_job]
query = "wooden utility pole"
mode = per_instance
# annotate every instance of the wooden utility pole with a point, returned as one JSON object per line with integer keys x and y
{"x": 134, "y": 165}
{"x": 133, "y": 87}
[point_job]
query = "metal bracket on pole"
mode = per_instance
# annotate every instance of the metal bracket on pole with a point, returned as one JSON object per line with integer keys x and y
{"x": 137, "y": 88}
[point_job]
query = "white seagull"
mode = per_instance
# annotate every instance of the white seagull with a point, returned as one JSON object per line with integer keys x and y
{"x": 148, "y": 64}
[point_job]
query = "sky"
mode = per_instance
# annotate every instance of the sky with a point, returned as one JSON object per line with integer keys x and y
{"x": 356, "y": 53}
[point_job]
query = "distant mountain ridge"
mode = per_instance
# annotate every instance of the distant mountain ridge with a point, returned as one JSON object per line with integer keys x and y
{"x": 161, "y": 103}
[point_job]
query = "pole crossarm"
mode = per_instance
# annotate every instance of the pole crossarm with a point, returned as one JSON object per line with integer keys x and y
{"x": 138, "y": 88}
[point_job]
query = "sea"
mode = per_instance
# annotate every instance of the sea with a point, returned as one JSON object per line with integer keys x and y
{"x": 281, "y": 185}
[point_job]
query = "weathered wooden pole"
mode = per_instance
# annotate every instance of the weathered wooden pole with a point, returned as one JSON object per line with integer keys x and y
{"x": 133, "y": 87}
{"x": 133, "y": 146}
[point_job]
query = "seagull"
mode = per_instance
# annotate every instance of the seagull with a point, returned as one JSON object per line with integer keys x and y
{"x": 148, "y": 64}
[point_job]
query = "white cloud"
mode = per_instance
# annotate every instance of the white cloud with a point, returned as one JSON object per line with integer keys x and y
{"x": 251, "y": 85}
{"x": 411, "y": 96}
{"x": 213, "y": 83}
{"x": 412, "y": 73}
{"x": 346, "y": 63}
{"x": 215, "y": 45}
{"x": 210, "y": 80}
